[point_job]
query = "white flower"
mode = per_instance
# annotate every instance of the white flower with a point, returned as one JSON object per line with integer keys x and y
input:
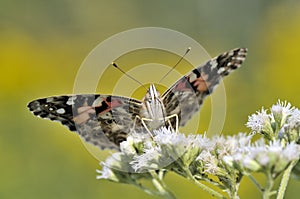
{"x": 282, "y": 107}
{"x": 176, "y": 145}
{"x": 114, "y": 161}
{"x": 127, "y": 146}
{"x": 166, "y": 147}
{"x": 166, "y": 136}
{"x": 294, "y": 120}
{"x": 149, "y": 160}
{"x": 249, "y": 164}
{"x": 231, "y": 144}
{"x": 234, "y": 142}
{"x": 291, "y": 151}
{"x": 210, "y": 162}
{"x": 203, "y": 143}
{"x": 257, "y": 121}
{"x": 281, "y": 111}
{"x": 111, "y": 165}
{"x": 106, "y": 173}
{"x": 263, "y": 157}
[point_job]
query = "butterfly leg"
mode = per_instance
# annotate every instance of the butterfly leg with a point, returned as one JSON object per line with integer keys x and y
{"x": 177, "y": 121}
{"x": 143, "y": 123}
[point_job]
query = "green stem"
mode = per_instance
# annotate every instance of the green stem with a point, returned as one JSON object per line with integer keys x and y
{"x": 268, "y": 188}
{"x": 146, "y": 190}
{"x": 161, "y": 186}
{"x": 256, "y": 183}
{"x": 210, "y": 181}
{"x": 202, "y": 186}
{"x": 285, "y": 180}
{"x": 234, "y": 193}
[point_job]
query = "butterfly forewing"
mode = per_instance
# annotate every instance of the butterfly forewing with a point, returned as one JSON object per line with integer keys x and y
{"x": 102, "y": 120}
{"x": 186, "y": 96}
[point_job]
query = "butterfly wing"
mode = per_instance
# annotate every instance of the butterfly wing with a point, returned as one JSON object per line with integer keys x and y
{"x": 102, "y": 120}
{"x": 186, "y": 96}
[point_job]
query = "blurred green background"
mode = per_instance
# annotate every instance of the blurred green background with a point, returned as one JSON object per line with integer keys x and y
{"x": 43, "y": 43}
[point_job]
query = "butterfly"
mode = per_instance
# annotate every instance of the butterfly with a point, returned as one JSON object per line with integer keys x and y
{"x": 106, "y": 120}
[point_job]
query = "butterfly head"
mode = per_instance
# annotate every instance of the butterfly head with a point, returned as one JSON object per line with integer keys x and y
{"x": 152, "y": 94}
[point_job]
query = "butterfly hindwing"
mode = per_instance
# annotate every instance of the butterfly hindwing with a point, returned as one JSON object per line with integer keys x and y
{"x": 186, "y": 96}
{"x": 102, "y": 120}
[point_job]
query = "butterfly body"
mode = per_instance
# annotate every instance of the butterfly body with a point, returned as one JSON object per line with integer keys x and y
{"x": 153, "y": 110}
{"x": 106, "y": 120}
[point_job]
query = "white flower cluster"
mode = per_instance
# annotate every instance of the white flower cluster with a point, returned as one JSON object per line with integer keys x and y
{"x": 166, "y": 148}
{"x": 221, "y": 160}
{"x": 262, "y": 157}
{"x": 283, "y": 122}
{"x": 225, "y": 157}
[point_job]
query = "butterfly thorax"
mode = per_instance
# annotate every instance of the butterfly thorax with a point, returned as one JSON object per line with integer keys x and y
{"x": 153, "y": 109}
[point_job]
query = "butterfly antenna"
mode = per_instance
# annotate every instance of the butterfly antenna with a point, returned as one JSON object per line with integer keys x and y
{"x": 186, "y": 52}
{"x": 137, "y": 81}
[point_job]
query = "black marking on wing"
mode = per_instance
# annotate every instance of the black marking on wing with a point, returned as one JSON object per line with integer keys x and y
{"x": 186, "y": 96}
{"x": 102, "y": 120}
{"x": 47, "y": 108}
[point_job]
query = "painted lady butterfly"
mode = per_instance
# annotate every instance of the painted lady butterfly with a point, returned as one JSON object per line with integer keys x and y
{"x": 106, "y": 120}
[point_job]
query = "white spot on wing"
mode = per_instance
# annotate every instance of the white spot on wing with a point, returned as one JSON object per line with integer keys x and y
{"x": 229, "y": 63}
{"x": 242, "y": 53}
{"x": 221, "y": 70}
{"x": 230, "y": 53}
{"x": 192, "y": 76}
{"x": 49, "y": 99}
{"x": 71, "y": 100}
{"x": 213, "y": 63}
{"x": 98, "y": 101}
{"x": 61, "y": 111}
{"x": 240, "y": 58}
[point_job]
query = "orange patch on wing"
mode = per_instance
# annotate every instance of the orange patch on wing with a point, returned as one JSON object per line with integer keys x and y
{"x": 111, "y": 105}
{"x": 181, "y": 86}
{"x": 83, "y": 114}
{"x": 201, "y": 84}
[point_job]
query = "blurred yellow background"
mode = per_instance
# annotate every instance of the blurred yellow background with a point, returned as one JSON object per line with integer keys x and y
{"x": 43, "y": 43}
